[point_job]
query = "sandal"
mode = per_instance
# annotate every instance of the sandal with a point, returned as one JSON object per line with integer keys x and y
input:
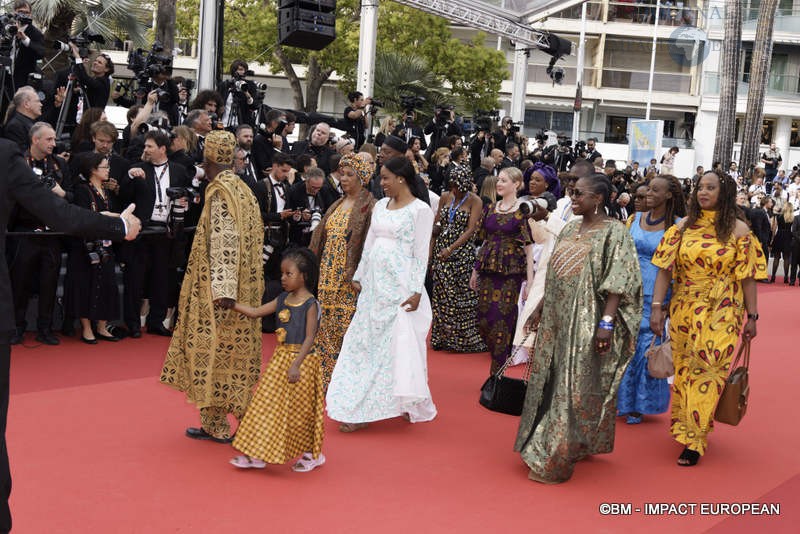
{"x": 246, "y": 462}
{"x": 688, "y": 458}
{"x": 351, "y": 427}
{"x": 307, "y": 463}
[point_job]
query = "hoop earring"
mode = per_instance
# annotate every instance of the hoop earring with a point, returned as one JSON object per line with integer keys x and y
{"x": 595, "y": 208}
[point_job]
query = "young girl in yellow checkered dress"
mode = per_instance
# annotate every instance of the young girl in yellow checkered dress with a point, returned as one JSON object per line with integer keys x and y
{"x": 284, "y": 419}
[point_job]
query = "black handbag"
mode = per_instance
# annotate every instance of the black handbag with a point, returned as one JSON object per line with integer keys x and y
{"x": 503, "y": 394}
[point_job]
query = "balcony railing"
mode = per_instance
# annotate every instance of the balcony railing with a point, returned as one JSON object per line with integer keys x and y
{"x": 780, "y": 85}
{"x": 672, "y": 13}
{"x": 665, "y": 82}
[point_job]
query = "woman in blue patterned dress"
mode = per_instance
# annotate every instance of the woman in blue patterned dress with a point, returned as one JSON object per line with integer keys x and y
{"x": 639, "y": 393}
{"x": 381, "y": 371}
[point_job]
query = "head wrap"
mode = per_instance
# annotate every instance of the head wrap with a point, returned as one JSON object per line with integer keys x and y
{"x": 461, "y": 177}
{"x": 392, "y": 141}
{"x": 549, "y": 175}
{"x": 219, "y": 147}
{"x": 362, "y": 167}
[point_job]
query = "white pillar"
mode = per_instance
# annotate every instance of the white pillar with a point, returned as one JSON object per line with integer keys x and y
{"x": 652, "y": 61}
{"x": 367, "y": 38}
{"x": 520, "y": 82}
{"x": 783, "y": 135}
{"x": 576, "y": 120}
{"x": 207, "y": 57}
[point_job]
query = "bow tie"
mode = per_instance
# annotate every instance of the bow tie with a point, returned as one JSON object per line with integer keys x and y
{"x": 158, "y": 166}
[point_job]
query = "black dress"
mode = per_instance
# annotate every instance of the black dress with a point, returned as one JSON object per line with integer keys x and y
{"x": 782, "y": 242}
{"x": 91, "y": 288}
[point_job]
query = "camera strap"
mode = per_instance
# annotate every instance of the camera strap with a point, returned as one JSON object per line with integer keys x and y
{"x": 158, "y": 183}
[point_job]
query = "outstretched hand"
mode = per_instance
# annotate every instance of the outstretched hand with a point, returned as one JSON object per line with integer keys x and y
{"x": 132, "y": 221}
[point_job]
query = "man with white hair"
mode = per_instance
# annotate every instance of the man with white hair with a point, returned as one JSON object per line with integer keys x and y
{"x": 623, "y": 201}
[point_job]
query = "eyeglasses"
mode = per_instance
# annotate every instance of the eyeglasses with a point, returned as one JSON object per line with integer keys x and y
{"x": 104, "y": 166}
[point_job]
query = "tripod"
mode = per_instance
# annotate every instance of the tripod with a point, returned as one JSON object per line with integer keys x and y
{"x": 6, "y": 84}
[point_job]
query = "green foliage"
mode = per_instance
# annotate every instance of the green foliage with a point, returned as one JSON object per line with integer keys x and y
{"x": 110, "y": 18}
{"x": 467, "y": 72}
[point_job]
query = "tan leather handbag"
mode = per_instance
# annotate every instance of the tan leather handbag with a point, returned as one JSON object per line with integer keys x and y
{"x": 732, "y": 403}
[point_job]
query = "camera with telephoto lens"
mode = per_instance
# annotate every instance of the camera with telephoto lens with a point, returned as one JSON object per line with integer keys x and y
{"x": 177, "y": 215}
{"x": 49, "y": 180}
{"x": 311, "y": 224}
{"x": 82, "y": 40}
{"x": 528, "y": 206}
{"x": 9, "y": 26}
{"x": 98, "y": 251}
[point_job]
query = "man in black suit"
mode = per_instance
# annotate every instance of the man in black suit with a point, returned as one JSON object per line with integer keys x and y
{"x": 408, "y": 129}
{"x": 269, "y": 141}
{"x": 18, "y": 185}
{"x": 305, "y": 200}
{"x": 317, "y": 146}
{"x": 150, "y": 257}
{"x": 38, "y": 257}
{"x": 104, "y": 135}
{"x": 248, "y": 172}
{"x": 331, "y": 188}
{"x": 28, "y": 45}
{"x": 27, "y": 109}
{"x": 272, "y": 196}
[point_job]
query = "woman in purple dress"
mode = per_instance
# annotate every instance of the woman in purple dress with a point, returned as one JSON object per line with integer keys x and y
{"x": 501, "y": 266}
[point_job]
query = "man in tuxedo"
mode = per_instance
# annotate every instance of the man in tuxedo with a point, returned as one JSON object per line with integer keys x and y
{"x": 317, "y": 147}
{"x": 27, "y": 46}
{"x": 305, "y": 200}
{"x": 104, "y": 135}
{"x": 248, "y": 171}
{"x": 150, "y": 257}
{"x": 408, "y": 129}
{"x": 272, "y": 196}
{"x": 27, "y": 109}
{"x": 19, "y": 185}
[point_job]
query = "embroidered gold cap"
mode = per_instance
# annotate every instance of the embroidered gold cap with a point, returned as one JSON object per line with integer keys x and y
{"x": 362, "y": 167}
{"x": 219, "y": 148}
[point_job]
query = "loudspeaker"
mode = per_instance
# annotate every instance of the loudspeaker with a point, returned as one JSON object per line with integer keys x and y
{"x": 309, "y": 24}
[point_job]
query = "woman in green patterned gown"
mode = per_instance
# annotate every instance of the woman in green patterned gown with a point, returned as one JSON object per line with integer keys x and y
{"x": 587, "y": 327}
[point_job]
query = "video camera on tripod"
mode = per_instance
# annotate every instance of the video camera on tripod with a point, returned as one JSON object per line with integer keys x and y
{"x": 82, "y": 40}
{"x": 148, "y": 65}
{"x": 411, "y": 102}
{"x": 9, "y": 26}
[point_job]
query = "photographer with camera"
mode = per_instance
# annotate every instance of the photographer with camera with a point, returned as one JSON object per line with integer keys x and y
{"x": 357, "y": 116}
{"x": 317, "y": 146}
{"x": 269, "y": 141}
{"x": 27, "y": 46}
{"x": 96, "y": 83}
{"x": 480, "y": 146}
{"x": 149, "y": 187}
{"x": 91, "y": 291}
{"x": 238, "y": 96}
{"x": 772, "y": 160}
{"x": 408, "y": 128}
{"x": 24, "y": 111}
{"x": 440, "y": 127}
{"x": 508, "y": 132}
{"x": 38, "y": 255}
{"x": 308, "y": 206}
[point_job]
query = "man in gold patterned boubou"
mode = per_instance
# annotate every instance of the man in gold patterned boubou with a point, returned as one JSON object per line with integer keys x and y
{"x": 215, "y": 353}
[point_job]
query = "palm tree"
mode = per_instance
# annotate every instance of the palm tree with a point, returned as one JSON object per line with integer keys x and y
{"x": 398, "y": 75}
{"x": 113, "y": 19}
{"x": 729, "y": 83}
{"x": 759, "y": 77}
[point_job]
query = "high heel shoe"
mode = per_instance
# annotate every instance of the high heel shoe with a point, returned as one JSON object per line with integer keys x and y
{"x": 88, "y": 341}
{"x": 106, "y": 338}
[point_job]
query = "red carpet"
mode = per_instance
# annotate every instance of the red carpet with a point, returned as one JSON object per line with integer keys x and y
{"x": 97, "y": 445}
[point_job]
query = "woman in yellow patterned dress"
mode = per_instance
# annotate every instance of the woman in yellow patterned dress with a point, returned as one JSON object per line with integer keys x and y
{"x": 714, "y": 260}
{"x": 338, "y": 242}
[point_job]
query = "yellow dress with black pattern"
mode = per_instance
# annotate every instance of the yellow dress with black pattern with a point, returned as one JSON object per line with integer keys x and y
{"x": 706, "y": 315}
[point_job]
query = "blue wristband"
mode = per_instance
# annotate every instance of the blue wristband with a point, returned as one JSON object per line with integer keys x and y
{"x": 605, "y": 325}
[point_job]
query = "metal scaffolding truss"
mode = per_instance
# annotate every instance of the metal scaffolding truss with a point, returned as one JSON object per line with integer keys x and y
{"x": 495, "y": 19}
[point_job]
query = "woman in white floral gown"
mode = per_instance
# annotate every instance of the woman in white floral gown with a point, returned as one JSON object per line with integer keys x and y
{"x": 382, "y": 368}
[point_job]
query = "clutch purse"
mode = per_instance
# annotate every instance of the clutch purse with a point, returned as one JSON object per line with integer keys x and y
{"x": 732, "y": 403}
{"x": 503, "y": 394}
{"x": 659, "y": 358}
